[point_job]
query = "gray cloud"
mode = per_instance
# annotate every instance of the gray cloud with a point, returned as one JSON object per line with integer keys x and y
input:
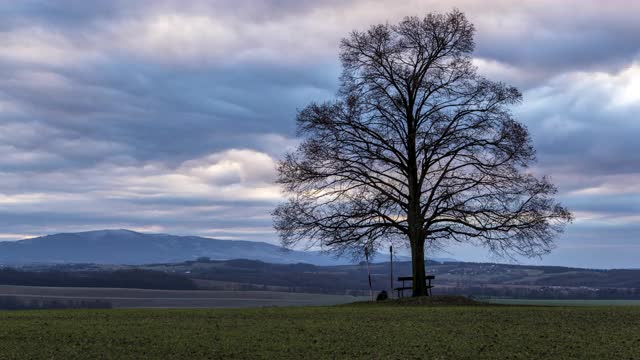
{"x": 169, "y": 115}
{"x": 585, "y": 122}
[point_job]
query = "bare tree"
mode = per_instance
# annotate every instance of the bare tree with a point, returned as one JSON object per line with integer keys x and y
{"x": 417, "y": 148}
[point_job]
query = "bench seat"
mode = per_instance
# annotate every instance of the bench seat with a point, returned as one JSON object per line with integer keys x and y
{"x": 401, "y": 289}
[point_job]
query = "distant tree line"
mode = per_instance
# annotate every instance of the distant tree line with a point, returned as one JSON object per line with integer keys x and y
{"x": 130, "y": 278}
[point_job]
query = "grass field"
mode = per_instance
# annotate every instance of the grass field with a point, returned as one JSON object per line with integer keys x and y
{"x": 142, "y": 298}
{"x": 345, "y": 332}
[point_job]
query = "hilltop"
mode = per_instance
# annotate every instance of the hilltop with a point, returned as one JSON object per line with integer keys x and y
{"x": 134, "y": 248}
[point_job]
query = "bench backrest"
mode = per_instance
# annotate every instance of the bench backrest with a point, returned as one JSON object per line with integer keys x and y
{"x": 410, "y": 278}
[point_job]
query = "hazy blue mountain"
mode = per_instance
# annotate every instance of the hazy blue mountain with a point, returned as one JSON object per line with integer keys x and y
{"x": 129, "y": 247}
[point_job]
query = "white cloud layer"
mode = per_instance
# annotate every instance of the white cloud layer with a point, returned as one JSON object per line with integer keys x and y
{"x": 230, "y": 187}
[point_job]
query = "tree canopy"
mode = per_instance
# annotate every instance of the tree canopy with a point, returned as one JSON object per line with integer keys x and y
{"x": 417, "y": 148}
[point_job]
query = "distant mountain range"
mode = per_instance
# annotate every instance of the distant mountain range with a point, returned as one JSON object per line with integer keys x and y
{"x": 130, "y": 247}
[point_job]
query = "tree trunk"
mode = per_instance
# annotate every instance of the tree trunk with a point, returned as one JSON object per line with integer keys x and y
{"x": 417, "y": 263}
{"x": 414, "y": 216}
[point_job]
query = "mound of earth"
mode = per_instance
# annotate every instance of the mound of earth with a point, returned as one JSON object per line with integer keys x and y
{"x": 438, "y": 300}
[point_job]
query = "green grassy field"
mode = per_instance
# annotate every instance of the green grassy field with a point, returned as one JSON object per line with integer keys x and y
{"x": 346, "y": 332}
{"x": 144, "y": 298}
{"x": 577, "y": 302}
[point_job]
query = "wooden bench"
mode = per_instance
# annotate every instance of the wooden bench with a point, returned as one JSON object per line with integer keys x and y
{"x": 400, "y": 290}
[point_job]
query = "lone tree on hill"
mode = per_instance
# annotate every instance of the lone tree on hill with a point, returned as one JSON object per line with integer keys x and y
{"x": 417, "y": 148}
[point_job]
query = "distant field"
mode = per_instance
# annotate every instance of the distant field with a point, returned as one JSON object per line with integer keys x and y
{"x": 142, "y": 298}
{"x": 345, "y": 332}
{"x": 565, "y": 302}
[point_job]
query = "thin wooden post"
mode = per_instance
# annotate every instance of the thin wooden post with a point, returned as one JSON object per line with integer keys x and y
{"x": 391, "y": 272}
{"x": 366, "y": 255}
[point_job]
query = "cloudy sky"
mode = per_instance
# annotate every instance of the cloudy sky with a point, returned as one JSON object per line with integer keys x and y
{"x": 168, "y": 116}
